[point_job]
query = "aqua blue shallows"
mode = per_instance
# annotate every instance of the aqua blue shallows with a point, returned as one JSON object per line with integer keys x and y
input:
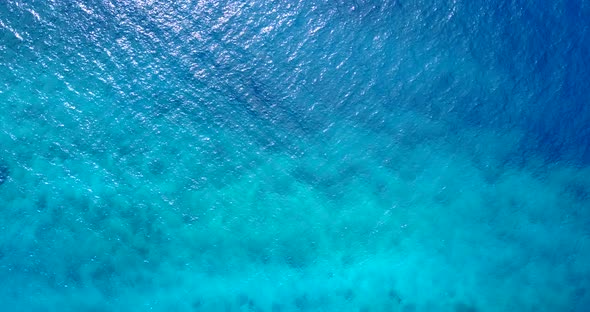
{"x": 294, "y": 155}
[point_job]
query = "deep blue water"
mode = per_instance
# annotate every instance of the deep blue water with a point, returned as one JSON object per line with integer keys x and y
{"x": 294, "y": 155}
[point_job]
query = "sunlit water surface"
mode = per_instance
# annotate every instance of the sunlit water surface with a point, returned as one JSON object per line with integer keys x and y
{"x": 294, "y": 155}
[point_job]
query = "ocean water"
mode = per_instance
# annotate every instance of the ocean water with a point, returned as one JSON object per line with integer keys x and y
{"x": 307, "y": 155}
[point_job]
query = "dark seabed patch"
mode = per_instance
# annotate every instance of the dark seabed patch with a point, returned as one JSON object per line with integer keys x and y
{"x": 4, "y": 172}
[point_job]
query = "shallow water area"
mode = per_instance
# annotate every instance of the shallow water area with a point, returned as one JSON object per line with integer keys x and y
{"x": 294, "y": 156}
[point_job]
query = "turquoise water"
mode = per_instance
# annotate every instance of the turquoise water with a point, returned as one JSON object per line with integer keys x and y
{"x": 294, "y": 155}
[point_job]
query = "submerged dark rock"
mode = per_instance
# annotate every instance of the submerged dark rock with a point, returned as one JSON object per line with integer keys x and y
{"x": 4, "y": 173}
{"x": 463, "y": 307}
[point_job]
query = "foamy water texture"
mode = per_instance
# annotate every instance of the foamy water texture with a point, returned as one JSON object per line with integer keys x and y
{"x": 294, "y": 155}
